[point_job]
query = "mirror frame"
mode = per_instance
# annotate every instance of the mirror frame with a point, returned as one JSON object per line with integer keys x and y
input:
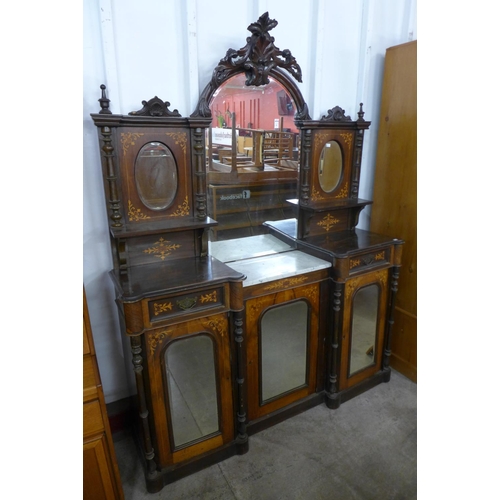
{"x": 259, "y": 59}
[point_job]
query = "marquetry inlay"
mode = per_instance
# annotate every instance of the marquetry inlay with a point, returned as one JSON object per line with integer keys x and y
{"x": 315, "y": 195}
{"x": 162, "y": 249}
{"x": 182, "y": 210}
{"x": 254, "y": 307}
{"x": 343, "y": 193}
{"x": 328, "y": 222}
{"x": 156, "y": 338}
{"x": 350, "y": 286}
{"x": 209, "y": 297}
{"x": 366, "y": 260}
{"x": 353, "y": 284}
{"x": 319, "y": 138}
{"x": 128, "y": 139}
{"x": 347, "y": 138}
{"x": 162, "y": 307}
{"x": 354, "y": 263}
{"x": 215, "y": 324}
{"x": 285, "y": 283}
{"x": 180, "y": 139}
{"x": 309, "y": 292}
{"x": 135, "y": 214}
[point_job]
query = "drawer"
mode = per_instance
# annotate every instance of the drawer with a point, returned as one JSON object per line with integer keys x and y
{"x": 369, "y": 260}
{"x": 204, "y": 300}
{"x": 92, "y": 418}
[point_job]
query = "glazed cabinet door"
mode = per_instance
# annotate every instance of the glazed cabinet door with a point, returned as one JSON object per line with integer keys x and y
{"x": 190, "y": 387}
{"x": 363, "y": 326}
{"x": 282, "y": 344}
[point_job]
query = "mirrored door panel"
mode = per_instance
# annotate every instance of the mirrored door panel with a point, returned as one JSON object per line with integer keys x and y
{"x": 363, "y": 324}
{"x": 192, "y": 389}
{"x": 364, "y": 328}
{"x": 283, "y": 349}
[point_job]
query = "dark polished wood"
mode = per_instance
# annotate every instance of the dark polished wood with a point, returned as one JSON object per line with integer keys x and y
{"x": 170, "y": 290}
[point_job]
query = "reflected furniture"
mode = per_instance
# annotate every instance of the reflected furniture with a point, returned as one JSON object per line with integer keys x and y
{"x": 101, "y": 477}
{"x": 397, "y": 166}
{"x": 231, "y": 332}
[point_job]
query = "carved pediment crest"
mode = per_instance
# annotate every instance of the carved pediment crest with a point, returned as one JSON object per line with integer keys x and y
{"x": 258, "y": 57}
{"x": 155, "y": 107}
{"x": 336, "y": 114}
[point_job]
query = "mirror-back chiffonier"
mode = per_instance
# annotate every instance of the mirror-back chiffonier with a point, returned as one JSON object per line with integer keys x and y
{"x": 244, "y": 288}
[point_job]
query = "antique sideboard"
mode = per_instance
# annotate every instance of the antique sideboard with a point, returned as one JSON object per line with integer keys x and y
{"x": 237, "y": 324}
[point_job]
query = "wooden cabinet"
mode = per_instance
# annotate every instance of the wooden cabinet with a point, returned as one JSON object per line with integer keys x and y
{"x": 397, "y": 174}
{"x": 363, "y": 327}
{"x": 283, "y": 343}
{"x": 231, "y": 334}
{"x": 101, "y": 478}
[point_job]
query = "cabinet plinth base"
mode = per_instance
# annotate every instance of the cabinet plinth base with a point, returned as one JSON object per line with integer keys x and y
{"x": 332, "y": 401}
{"x": 356, "y": 390}
{"x": 282, "y": 414}
{"x": 170, "y": 474}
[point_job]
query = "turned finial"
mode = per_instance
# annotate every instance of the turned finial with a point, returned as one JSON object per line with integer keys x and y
{"x": 361, "y": 113}
{"x": 104, "y": 101}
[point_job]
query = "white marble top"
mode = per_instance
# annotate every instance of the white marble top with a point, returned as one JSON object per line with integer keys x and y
{"x": 247, "y": 248}
{"x": 277, "y": 266}
{"x": 264, "y": 258}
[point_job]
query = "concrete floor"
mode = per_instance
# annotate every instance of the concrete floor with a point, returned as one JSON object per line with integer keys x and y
{"x": 364, "y": 450}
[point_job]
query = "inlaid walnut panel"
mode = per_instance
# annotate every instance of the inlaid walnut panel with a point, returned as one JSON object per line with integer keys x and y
{"x": 129, "y": 142}
{"x": 156, "y": 342}
{"x": 201, "y": 301}
{"x": 370, "y": 259}
{"x": 255, "y": 308}
{"x": 157, "y": 248}
{"x": 345, "y": 141}
{"x": 381, "y": 279}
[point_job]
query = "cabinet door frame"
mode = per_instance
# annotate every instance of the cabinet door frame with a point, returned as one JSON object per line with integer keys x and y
{"x": 255, "y": 309}
{"x": 352, "y": 285}
{"x": 157, "y": 342}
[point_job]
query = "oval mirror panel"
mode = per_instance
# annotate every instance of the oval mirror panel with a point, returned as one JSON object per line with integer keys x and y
{"x": 330, "y": 166}
{"x": 156, "y": 176}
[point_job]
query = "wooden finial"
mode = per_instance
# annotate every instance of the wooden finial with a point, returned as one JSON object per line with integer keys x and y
{"x": 104, "y": 101}
{"x": 361, "y": 113}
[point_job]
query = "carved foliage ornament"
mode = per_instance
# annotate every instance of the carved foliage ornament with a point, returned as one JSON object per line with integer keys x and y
{"x": 258, "y": 58}
{"x": 155, "y": 107}
{"x": 337, "y": 114}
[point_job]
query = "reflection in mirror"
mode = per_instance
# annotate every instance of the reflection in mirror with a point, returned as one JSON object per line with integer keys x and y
{"x": 283, "y": 349}
{"x": 364, "y": 328}
{"x": 192, "y": 392}
{"x": 156, "y": 176}
{"x": 330, "y": 166}
{"x": 252, "y": 157}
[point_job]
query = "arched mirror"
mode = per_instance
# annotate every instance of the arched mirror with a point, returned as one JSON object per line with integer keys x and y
{"x": 192, "y": 389}
{"x": 252, "y": 157}
{"x": 253, "y": 146}
{"x": 330, "y": 166}
{"x": 364, "y": 328}
{"x": 262, "y": 122}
